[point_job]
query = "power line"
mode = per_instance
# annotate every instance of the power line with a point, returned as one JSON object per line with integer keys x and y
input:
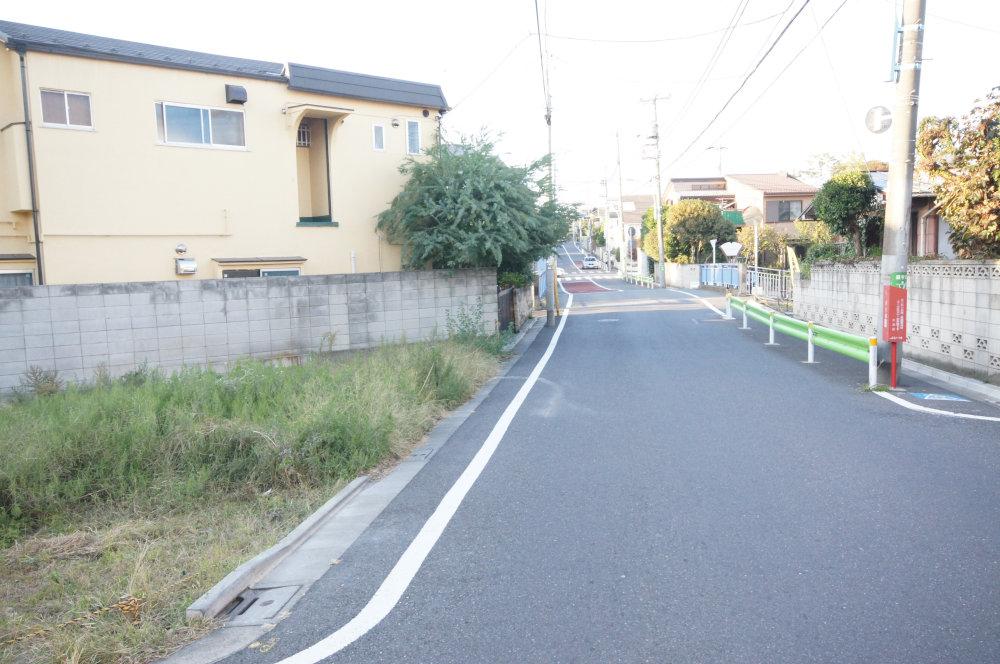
{"x": 836, "y": 79}
{"x": 781, "y": 73}
{"x": 742, "y": 84}
{"x": 659, "y": 40}
{"x": 493, "y": 71}
{"x": 713, "y": 60}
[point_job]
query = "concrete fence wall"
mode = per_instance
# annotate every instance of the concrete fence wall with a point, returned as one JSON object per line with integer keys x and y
{"x": 524, "y": 304}
{"x": 953, "y": 310}
{"x": 680, "y": 275}
{"x": 75, "y": 329}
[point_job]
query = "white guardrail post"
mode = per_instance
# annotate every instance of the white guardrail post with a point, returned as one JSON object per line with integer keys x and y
{"x": 872, "y": 361}
{"x": 729, "y": 306}
{"x": 811, "y": 354}
{"x": 770, "y": 334}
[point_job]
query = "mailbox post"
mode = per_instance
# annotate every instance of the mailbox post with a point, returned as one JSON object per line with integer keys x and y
{"x": 894, "y": 318}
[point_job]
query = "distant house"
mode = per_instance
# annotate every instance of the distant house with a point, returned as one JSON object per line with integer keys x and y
{"x": 928, "y": 230}
{"x": 776, "y": 198}
{"x": 138, "y": 162}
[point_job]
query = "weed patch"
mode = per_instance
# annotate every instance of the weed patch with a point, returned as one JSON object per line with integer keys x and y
{"x": 150, "y": 488}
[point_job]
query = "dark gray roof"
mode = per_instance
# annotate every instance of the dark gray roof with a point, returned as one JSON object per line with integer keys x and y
{"x": 363, "y": 86}
{"x": 261, "y": 259}
{"x": 302, "y": 77}
{"x": 50, "y": 40}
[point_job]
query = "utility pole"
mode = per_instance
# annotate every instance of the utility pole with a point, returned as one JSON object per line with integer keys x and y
{"x": 621, "y": 208}
{"x": 657, "y": 205}
{"x": 896, "y": 236}
{"x": 548, "y": 99}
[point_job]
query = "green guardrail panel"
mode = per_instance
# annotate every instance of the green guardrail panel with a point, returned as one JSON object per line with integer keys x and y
{"x": 850, "y": 350}
{"x": 851, "y": 345}
{"x": 796, "y": 331}
{"x": 845, "y": 338}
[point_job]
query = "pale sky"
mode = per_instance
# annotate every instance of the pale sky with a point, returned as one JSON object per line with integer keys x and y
{"x": 485, "y": 55}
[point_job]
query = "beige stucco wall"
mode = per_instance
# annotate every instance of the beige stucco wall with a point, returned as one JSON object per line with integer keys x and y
{"x": 15, "y": 195}
{"x": 114, "y": 202}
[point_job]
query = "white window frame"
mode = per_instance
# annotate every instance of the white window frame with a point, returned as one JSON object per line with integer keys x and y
{"x": 419, "y": 141}
{"x": 56, "y": 125}
{"x": 379, "y": 125}
{"x": 207, "y": 146}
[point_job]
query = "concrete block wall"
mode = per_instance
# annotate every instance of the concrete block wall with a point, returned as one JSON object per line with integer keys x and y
{"x": 953, "y": 310}
{"x": 77, "y": 329}
{"x": 841, "y": 296}
{"x": 953, "y": 316}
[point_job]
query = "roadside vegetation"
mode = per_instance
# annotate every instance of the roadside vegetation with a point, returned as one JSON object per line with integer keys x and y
{"x": 123, "y": 501}
{"x": 463, "y": 207}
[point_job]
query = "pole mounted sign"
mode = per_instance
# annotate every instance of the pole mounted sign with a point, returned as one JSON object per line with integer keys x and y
{"x": 894, "y": 316}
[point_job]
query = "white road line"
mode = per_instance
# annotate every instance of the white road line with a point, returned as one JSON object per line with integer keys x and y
{"x": 571, "y": 261}
{"x": 934, "y": 411}
{"x": 700, "y": 299}
{"x": 399, "y": 578}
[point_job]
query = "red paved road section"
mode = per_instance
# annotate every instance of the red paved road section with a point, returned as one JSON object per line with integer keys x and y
{"x": 582, "y": 287}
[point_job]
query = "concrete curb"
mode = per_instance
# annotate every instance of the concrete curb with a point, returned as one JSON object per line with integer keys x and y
{"x": 221, "y": 595}
{"x": 977, "y": 387}
{"x": 528, "y": 324}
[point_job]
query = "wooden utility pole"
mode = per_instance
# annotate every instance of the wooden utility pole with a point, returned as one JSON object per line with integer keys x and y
{"x": 899, "y": 191}
{"x": 657, "y": 205}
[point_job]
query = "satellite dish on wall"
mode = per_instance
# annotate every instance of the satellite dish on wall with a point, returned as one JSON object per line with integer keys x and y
{"x": 878, "y": 119}
{"x": 730, "y": 249}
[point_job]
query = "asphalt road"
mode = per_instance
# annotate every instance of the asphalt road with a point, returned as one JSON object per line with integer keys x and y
{"x": 674, "y": 491}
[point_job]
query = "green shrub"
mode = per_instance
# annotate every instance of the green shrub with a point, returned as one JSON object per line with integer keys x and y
{"x": 513, "y": 279}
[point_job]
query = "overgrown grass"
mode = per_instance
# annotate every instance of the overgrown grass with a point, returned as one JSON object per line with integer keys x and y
{"x": 118, "y": 474}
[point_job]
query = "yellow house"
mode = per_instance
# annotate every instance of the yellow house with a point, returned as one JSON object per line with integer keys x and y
{"x": 122, "y": 161}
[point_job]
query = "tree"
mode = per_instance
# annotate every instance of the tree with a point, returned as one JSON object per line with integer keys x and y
{"x": 672, "y": 247}
{"x": 770, "y": 243}
{"x": 963, "y": 157}
{"x": 694, "y": 223}
{"x": 462, "y": 206}
{"x": 598, "y": 236}
{"x": 846, "y": 204}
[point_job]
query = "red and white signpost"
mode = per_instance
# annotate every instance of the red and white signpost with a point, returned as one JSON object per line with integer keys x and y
{"x": 893, "y": 322}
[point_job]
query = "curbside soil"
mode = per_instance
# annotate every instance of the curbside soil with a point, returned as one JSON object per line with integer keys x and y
{"x": 222, "y": 594}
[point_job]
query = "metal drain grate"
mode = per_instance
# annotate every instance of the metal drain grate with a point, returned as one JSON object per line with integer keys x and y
{"x": 258, "y": 605}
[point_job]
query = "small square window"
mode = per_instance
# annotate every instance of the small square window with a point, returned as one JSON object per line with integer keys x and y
{"x": 303, "y": 138}
{"x": 66, "y": 109}
{"x": 378, "y": 137}
{"x": 412, "y": 137}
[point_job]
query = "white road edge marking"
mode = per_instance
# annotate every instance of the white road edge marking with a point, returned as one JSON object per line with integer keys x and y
{"x": 934, "y": 411}
{"x": 700, "y": 299}
{"x": 572, "y": 262}
{"x": 399, "y": 578}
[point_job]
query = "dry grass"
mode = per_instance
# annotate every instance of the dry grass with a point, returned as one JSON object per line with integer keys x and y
{"x": 166, "y": 562}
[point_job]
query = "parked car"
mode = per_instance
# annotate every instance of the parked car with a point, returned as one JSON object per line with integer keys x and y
{"x": 591, "y": 263}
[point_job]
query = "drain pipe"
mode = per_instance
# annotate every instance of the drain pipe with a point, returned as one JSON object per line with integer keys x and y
{"x": 30, "y": 139}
